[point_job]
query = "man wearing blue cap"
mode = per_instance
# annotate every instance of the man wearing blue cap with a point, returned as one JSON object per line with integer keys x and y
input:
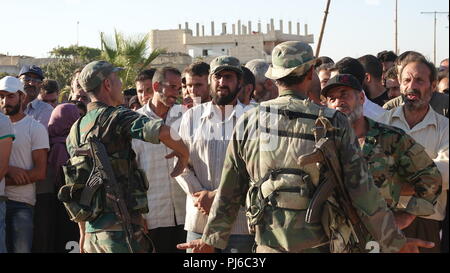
{"x": 31, "y": 77}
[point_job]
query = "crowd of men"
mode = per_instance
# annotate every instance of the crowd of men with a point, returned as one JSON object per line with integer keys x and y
{"x": 216, "y": 158}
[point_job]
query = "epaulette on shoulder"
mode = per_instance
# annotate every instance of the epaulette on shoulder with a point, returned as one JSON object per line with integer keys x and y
{"x": 390, "y": 128}
{"x": 329, "y": 113}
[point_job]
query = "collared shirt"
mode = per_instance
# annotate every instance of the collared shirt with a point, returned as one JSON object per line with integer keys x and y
{"x": 40, "y": 111}
{"x": 207, "y": 137}
{"x": 432, "y": 133}
{"x": 371, "y": 109}
{"x": 166, "y": 200}
{"x": 395, "y": 159}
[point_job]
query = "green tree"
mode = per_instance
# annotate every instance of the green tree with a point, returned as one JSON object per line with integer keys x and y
{"x": 79, "y": 54}
{"x": 130, "y": 53}
{"x": 4, "y": 74}
{"x": 61, "y": 71}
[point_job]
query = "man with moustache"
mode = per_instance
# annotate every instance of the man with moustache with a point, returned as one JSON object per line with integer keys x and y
{"x": 27, "y": 165}
{"x": 166, "y": 200}
{"x": 394, "y": 158}
{"x": 144, "y": 86}
{"x": 197, "y": 85}
{"x": 418, "y": 119}
{"x": 32, "y": 77}
{"x": 6, "y": 140}
{"x": 206, "y": 129}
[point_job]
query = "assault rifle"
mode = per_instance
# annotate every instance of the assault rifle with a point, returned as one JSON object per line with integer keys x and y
{"x": 325, "y": 153}
{"x": 102, "y": 172}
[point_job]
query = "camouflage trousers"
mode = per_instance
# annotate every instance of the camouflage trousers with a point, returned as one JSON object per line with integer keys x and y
{"x": 115, "y": 242}
{"x": 268, "y": 249}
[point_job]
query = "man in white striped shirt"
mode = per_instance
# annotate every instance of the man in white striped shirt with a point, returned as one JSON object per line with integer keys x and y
{"x": 206, "y": 130}
{"x": 166, "y": 200}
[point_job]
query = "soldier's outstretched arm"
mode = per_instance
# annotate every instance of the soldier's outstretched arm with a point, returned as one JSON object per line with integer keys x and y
{"x": 365, "y": 196}
{"x": 154, "y": 131}
{"x": 171, "y": 139}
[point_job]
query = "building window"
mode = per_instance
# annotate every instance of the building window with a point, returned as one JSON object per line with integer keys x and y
{"x": 205, "y": 53}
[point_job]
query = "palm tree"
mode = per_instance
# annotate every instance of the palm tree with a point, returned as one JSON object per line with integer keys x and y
{"x": 129, "y": 53}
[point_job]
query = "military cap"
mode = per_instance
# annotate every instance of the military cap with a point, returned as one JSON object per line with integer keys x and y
{"x": 225, "y": 63}
{"x": 94, "y": 73}
{"x": 342, "y": 80}
{"x": 290, "y": 58}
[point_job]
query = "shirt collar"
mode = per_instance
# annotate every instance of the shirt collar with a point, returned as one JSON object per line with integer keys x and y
{"x": 171, "y": 115}
{"x": 430, "y": 118}
{"x": 292, "y": 94}
{"x": 211, "y": 110}
{"x": 32, "y": 105}
{"x": 95, "y": 105}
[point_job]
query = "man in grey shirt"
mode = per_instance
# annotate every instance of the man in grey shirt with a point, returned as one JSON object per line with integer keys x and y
{"x": 31, "y": 77}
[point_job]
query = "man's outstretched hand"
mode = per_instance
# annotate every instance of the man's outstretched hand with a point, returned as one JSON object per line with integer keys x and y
{"x": 197, "y": 246}
{"x": 412, "y": 245}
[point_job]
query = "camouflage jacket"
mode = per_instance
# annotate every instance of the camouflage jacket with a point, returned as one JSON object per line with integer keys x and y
{"x": 247, "y": 162}
{"x": 120, "y": 127}
{"x": 394, "y": 158}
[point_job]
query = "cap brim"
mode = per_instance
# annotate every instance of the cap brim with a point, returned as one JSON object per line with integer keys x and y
{"x": 226, "y": 67}
{"x": 278, "y": 73}
{"x": 117, "y": 69}
{"x": 327, "y": 88}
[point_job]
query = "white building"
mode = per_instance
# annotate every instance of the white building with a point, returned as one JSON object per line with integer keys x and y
{"x": 242, "y": 42}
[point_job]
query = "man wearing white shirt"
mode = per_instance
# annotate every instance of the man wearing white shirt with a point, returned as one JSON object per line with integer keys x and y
{"x": 6, "y": 139}
{"x": 166, "y": 200}
{"x": 419, "y": 120}
{"x": 206, "y": 129}
{"x": 27, "y": 165}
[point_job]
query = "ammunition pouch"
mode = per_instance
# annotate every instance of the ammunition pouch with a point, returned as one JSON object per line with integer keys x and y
{"x": 84, "y": 193}
{"x": 281, "y": 188}
{"x": 82, "y": 202}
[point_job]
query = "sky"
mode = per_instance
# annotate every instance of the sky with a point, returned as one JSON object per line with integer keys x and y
{"x": 354, "y": 27}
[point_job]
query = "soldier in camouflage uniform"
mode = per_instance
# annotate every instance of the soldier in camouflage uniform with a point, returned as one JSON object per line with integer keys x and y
{"x": 263, "y": 155}
{"x": 394, "y": 159}
{"x": 116, "y": 127}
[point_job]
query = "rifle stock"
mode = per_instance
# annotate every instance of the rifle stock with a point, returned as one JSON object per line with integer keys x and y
{"x": 325, "y": 153}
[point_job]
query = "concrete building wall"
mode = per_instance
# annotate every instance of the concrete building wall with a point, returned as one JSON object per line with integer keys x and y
{"x": 177, "y": 60}
{"x": 10, "y": 69}
{"x": 171, "y": 40}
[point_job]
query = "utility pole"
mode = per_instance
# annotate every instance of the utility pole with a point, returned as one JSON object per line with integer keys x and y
{"x": 435, "y": 23}
{"x": 78, "y": 32}
{"x": 396, "y": 27}
{"x": 323, "y": 28}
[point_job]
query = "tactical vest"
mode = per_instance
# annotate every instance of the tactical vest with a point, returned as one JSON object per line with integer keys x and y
{"x": 84, "y": 204}
{"x": 292, "y": 187}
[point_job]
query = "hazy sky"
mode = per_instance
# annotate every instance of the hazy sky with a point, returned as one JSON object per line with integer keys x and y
{"x": 354, "y": 27}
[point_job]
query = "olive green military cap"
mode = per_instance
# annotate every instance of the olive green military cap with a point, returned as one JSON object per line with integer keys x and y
{"x": 225, "y": 63}
{"x": 94, "y": 73}
{"x": 290, "y": 58}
